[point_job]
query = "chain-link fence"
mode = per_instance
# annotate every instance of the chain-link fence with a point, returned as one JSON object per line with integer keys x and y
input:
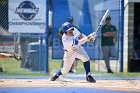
{"x": 24, "y": 31}
{"x": 31, "y": 49}
{"x": 87, "y": 15}
{"x": 23, "y": 49}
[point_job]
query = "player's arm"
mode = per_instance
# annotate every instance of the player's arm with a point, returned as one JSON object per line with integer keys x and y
{"x": 7, "y": 55}
{"x": 4, "y": 55}
{"x": 111, "y": 34}
{"x": 115, "y": 33}
{"x": 106, "y": 33}
{"x": 90, "y": 37}
{"x": 84, "y": 39}
{"x": 75, "y": 42}
{"x": 82, "y": 36}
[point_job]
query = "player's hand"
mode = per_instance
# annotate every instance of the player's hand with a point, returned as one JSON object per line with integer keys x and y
{"x": 92, "y": 34}
{"x": 91, "y": 37}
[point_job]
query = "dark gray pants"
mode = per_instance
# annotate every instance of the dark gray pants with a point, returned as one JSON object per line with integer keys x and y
{"x": 109, "y": 51}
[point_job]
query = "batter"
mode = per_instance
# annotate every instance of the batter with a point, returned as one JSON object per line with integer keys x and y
{"x": 72, "y": 40}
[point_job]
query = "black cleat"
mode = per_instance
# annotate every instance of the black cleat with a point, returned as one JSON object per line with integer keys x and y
{"x": 90, "y": 79}
{"x": 1, "y": 70}
{"x": 109, "y": 71}
{"x": 71, "y": 71}
{"x": 54, "y": 78}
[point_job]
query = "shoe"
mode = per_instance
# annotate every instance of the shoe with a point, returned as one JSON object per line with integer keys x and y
{"x": 71, "y": 71}
{"x": 1, "y": 70}
{"x": 54, "y": 78}
{"x": 90, "y": 79}
{"x": 109, "y": 71}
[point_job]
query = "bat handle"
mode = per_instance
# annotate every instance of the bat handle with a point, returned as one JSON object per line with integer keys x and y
{"x": 97, "y": 29}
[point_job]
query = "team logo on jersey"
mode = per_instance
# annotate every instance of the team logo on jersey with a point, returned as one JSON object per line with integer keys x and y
{"x": 27, "y": 10}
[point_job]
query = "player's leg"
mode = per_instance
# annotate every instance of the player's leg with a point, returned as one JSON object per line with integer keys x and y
{"x": 67, "y": 63}
{"x": 1, "y": 70}
{"x": 113, "y": 54}
{"x": 105, "y": 50}
{"x": 72, "y": 69}
{"x": 113, "y": 51}
{"x": 74, "y": 66}
{"x": 82, "y": 55}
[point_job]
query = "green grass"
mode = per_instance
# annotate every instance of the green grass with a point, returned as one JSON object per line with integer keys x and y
{"x": 12, "y": 67}
{"x": 127, "y": 74}
{"x": 54, "y": 65}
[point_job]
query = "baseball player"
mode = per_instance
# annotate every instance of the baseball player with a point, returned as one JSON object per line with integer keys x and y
{"x": 72, "y": 40}
{"x": 108, "y": 32}
{"x": 7, "y": 55}
{"x": 60, "y": 33}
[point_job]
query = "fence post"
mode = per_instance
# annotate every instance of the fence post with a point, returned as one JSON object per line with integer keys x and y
{"x": 47, "y": 36}
{"x": 122, "y": 33}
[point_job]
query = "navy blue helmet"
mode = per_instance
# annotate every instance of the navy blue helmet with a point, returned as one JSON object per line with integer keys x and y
{"x": 67, "y": 26}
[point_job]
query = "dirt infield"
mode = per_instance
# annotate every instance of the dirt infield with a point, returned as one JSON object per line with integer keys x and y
{"x": 127, "y": 85}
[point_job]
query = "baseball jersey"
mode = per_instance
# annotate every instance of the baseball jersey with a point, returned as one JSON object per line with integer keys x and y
{"x": 70, "y": 41}
{"x": 107, "y": 41}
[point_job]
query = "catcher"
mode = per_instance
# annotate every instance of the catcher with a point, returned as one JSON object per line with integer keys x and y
{"x": 72, "y": 40}
{"x": 7, "y": 55}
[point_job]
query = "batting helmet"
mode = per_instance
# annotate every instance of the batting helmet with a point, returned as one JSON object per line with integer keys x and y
{"x": 66, "y": 26}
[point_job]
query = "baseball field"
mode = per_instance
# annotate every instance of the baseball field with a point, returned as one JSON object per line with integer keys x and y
{"x": 12, "y": 81}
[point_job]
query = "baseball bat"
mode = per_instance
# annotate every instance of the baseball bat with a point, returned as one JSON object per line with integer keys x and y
{"x": 102, "y": 20}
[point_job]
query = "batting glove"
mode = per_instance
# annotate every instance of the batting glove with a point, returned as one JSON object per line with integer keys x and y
{"x": 92, "y": 36}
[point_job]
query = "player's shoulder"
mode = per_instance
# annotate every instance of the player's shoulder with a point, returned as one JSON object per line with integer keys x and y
{"x": 63, "y": 37}
{"x": 76, "y": 32}
{"x": 66, "y": 38}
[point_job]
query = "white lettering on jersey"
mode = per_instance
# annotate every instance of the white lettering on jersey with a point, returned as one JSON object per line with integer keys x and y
{"x": 69, "y": 41}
